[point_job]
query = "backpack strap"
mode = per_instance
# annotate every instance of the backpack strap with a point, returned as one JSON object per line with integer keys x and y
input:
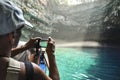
{"x": 13, "y": 70}
{"x": 29, "y": 70}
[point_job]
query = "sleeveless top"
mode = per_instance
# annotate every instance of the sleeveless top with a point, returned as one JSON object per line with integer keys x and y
{"x": 13, "y": 70}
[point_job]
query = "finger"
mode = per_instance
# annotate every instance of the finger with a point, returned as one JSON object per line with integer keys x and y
{"x": 49, "y": 39}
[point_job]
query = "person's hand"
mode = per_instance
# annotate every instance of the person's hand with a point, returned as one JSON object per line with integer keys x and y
{"x": 53, "y": 70}
{"x": 32, "y": 43}
{"x": 50, "y": 46}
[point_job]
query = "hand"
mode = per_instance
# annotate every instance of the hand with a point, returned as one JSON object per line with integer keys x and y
{"x": 32, "y": 43}
{"x": 53, "y": 70}
{"x": 50, "y": 46}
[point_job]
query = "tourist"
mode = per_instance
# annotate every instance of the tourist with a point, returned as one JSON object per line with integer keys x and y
{"x": 11, "y": 23}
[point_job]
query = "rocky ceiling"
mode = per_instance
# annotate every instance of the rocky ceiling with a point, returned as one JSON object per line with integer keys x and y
{"x": 62, "y": 19}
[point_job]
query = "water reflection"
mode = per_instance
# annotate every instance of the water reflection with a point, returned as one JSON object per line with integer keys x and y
{"x": 88, "y": 63}
{"x": 108, "y": 65}
{"x": 73, "y": 63}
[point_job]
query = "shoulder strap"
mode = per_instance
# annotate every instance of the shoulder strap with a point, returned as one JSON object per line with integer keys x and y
{"x": 13, "y": 70}
{"x": 29, "y": 70}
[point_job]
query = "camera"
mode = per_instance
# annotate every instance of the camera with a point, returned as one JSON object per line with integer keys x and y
{"x": 43, "y": 43}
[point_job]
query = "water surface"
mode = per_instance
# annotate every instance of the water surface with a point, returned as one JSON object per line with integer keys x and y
{"x": 88, "y": 63}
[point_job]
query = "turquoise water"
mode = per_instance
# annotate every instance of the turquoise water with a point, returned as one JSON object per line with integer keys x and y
{"x": 88, "y": 64}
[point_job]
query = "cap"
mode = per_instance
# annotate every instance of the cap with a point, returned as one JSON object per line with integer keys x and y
{"x": 11, "y": 17}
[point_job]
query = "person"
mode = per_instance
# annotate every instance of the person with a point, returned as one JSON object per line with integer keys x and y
{"x": 28, "y": 52}
{"x": 11, "y": 23}
{"x": 24, "y": 51}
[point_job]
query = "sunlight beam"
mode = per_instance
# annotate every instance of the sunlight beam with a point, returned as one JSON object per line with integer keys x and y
{"x": 74, "y": 2}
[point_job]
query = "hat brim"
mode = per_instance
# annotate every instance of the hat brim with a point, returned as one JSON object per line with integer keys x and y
{"x": 28, "y": 24}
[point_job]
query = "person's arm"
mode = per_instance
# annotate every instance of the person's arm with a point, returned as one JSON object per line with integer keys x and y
{"x": 18, "y": 50}
{"x": 53, "y": 70}
{"x": 30, "y": 44}
{"x": 38, "y": 74}
{"x": 34, "y": 58}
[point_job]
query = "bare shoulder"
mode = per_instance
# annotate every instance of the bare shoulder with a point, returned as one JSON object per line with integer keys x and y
{"x": 39, "y": 74}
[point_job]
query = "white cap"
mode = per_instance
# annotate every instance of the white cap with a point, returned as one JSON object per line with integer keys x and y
{"x": 11, "y": 17}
